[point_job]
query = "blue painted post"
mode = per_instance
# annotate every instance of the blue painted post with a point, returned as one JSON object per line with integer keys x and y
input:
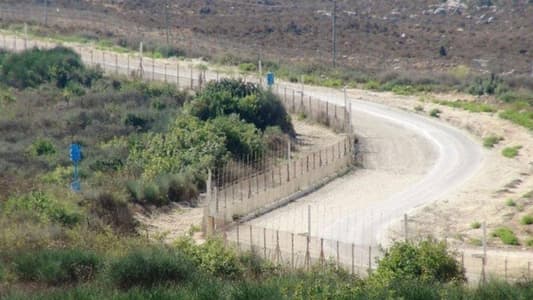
{"x": 75, "y": 157}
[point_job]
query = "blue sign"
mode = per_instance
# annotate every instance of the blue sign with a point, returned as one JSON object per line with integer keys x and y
{"x": 75, "y": 153}
{"x": 75, "y": 157}
{"x": 270, "y": 79}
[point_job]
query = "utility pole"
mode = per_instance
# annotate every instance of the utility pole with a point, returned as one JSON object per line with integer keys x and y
{"x": 334, "y": 33}
{"x": 166, "y": 22}
{"x": 45, "y": 12}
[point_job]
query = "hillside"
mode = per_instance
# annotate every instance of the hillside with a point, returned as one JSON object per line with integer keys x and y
{"x": 399, "y": 35}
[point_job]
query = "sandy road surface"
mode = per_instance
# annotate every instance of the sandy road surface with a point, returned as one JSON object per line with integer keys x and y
{"x": 409, "y": 160}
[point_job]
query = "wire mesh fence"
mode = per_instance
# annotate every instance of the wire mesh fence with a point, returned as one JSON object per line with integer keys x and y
{"x": 301, "y": 251}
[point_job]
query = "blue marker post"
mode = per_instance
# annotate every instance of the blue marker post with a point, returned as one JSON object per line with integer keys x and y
{"x": 270, "y": 79}
{"x": 75, "y": 157}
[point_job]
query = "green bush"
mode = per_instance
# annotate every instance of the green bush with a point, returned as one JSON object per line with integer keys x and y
{"x": 57, "y": 266}
{"x": 188, "y": 145}
{"x": 34, "y": 67}
{"x": 42, "y": 147}
{"x": 475, "y": 225}
{"x": 242, "y": 138}
{"x": 151, "y": 267}
{"x": 491, "y": 141}
{"x": 247, "y": 67}
{"x": 511, "y": 152}
{"x": 510, "y": 202}
{"x": 42, "y": 206}
{"x": 506, "y": 235}
{"x": 427, "y": 260}
{"x": 527, "y": 220}
{"x": 247, "y": 100}
{"x": 435, "y": 113}
{"x": 213, "y": 258}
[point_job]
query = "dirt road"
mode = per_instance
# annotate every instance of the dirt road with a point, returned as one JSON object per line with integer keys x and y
{"x": 409, "y": 160}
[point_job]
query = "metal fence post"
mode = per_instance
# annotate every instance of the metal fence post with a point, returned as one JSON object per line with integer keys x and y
{"x": 353, "y": 259}
{"x": 251, "y": 240}
{"x": 292, "y": 250}
{"x": 264, "y": 244}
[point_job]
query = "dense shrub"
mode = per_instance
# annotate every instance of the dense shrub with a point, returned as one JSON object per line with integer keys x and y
{"x": 42, "y": 206}
{"x": 213, "y": 258}
{"x": 42, "y": 147}
{"x": 55, "y": 266}
{"x": 247, "y": 100}
{"x": 189, "y": 145}
{"x": 241, "y": 138}
{"x": 150, "y": 267}
{"x": 34, "y": 67}
{"x": 427, "y": 260}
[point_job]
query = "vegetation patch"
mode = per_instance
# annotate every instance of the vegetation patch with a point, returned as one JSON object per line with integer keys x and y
{"x": 475, "y": 225}
{"x": 151, "y": 267}
{"x": 435, "y": 113}
{"x": 510, "y": 202}
{"x": 527, "y": 220}
{"x": 522, "y": 118}
{"x": 511, "y": 152}
{"x": 491, "y": 141}
{"x": 506, "y": 235}
{"x": 467, "y": 105}
{"x": 57, "y": 266}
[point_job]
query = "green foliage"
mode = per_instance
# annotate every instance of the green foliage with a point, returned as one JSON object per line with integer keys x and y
{"x": 34, "y": 67}
{"x": 42, "y": 147}
{"x": 511, "y": 152}
{"x": 57, "y": 266}
{"x": 419, "y": 108}
{"x": 491, "y": 141}
{"x": 164, "y": 189}
{"x": 506, "y": 235}
{"x": 43, "y": 207}
{"x": 529, "y": 242}
{"x": 510, "y": 202}
{"x": 522, "y": 118}
{"x": 151, "y": 267}
{"x": 427, "y": 260}
{"x": 475, "y": 225}
{"x": 527, "y": 220}
{"x": 241, "y": 139}
{"x": 247, "y": 100}
{"x": 467, "y": 105}
{"x": 212, "y": 257}
{"x": 435, "y": 113}
{"x": 247, "y": 67}
{"x": 190, "y": 145}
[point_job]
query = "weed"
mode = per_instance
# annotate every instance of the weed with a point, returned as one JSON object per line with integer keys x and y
{"x": 54, "y": 266}
{"x": 467, "y": 105}
{"x": 435, "y": 113}
{"x": 511, "y": 152}
{"x": 529, "y": 242}
{"x": 150, "y": 267}
{"x": 42, "y": 147}
{"x": 491, "y": 141}
{"x": 475, "y": 225}
{"x": 419, "y": 108}
{"x": 527, "y": 220}
{"x": 506, "y": 235}
{"x": 522, "y": 118}
{"x": 510, "y": 202}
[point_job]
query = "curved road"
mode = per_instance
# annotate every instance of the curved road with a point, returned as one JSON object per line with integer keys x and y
{"x": 409, "y": 160}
